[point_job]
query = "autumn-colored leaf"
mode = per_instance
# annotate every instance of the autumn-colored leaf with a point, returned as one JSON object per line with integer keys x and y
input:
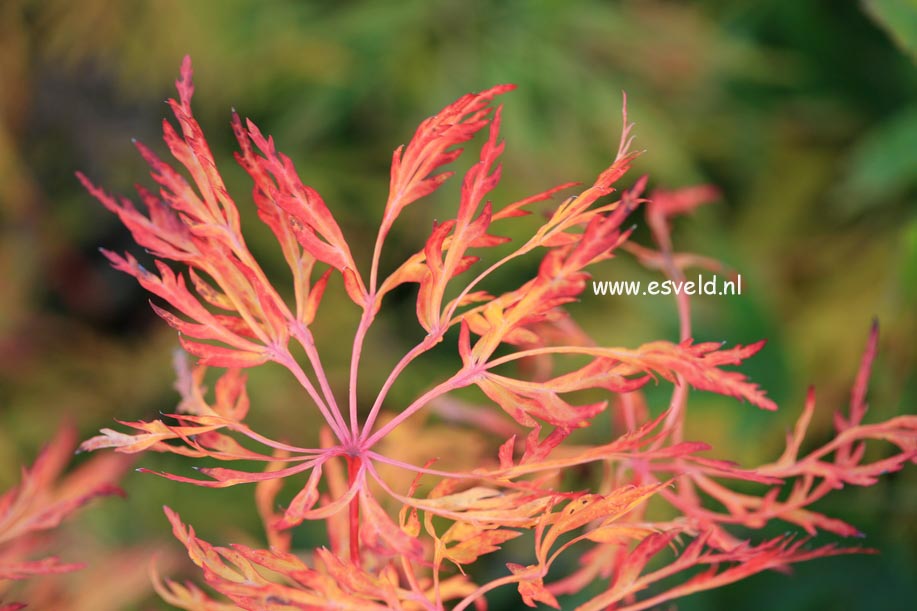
{"x": 517, "y": 466}
{"x": 43, "y": 499}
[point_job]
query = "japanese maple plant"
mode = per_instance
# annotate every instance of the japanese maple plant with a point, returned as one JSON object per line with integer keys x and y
{"x": 647, "y": 516}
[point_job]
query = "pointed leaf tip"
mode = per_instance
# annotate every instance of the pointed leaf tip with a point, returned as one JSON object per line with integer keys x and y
{"x": 499, "y": 89}
{"x": 184, "y": 84}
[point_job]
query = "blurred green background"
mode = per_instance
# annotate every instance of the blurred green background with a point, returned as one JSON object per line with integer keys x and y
{"x": 804, "y": 113}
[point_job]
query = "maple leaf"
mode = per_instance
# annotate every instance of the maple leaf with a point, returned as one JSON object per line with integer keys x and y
{"x": 523, "y": 470}
{"x": 43, "y": 499}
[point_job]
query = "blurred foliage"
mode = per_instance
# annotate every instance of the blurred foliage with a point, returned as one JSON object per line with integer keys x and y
{"x": 899, "y": 17}
{"x": 804, "y": 113}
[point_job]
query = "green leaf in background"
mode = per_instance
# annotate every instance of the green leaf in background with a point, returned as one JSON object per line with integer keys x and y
{"x": 909, "y": 263}
{"x": 899, "y": 19}
{"x": 882, "y": 165}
